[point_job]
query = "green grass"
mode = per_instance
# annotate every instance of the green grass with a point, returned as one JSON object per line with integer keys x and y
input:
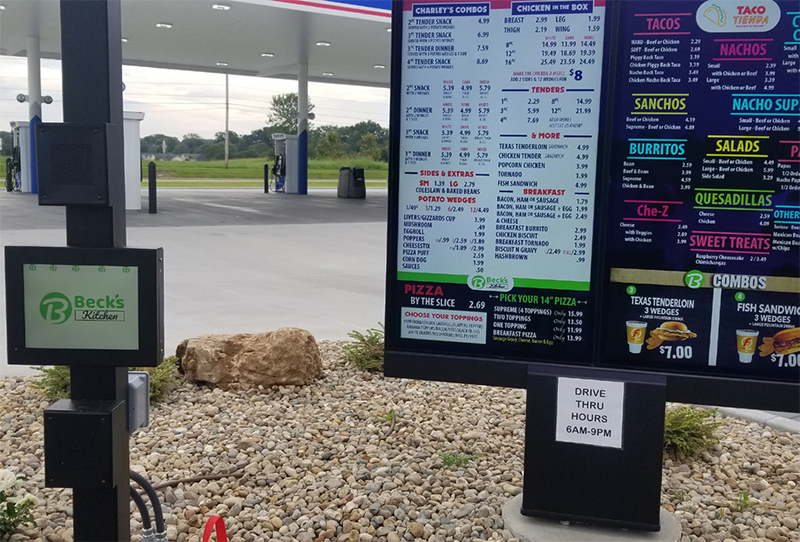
{"x": 253, "y": 168}
{"x": 324, "y": 172}
{"x": 455, "y": 459}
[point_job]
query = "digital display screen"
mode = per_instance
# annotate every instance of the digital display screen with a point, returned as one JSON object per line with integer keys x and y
{"x": 81, "y": 306}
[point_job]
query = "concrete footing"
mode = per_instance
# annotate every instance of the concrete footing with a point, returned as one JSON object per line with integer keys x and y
{"x": 529, "y": 529}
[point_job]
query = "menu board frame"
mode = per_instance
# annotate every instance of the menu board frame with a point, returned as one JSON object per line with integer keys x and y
{"x": 448, "y": 361}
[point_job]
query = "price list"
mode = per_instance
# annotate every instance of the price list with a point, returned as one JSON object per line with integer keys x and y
{"x": 704, "y": 202}
{"x": 500, "y": 105}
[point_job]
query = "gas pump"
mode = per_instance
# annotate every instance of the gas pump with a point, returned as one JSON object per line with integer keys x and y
{"x": 285, "y": 168}
{"x": 279, "y": 169}
{"x": 19, "y": 177}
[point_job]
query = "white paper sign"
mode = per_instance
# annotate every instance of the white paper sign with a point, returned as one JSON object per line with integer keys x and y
{"x": 590, "y": 412}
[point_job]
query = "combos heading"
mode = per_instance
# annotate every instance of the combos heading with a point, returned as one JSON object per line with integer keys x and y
{"x": 517, "y": 8}
{"x": 450, "y": 10}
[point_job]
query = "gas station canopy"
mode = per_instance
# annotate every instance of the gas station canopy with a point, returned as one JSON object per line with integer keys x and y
{"x": 341, "y": 42}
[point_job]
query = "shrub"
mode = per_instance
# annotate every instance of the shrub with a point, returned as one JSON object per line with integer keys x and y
{"x": 162, "y": 378}
{"x": 366, "y": 350}
{"x": 688, "y": 430}
{"x": 54, "y": 381}
{"x": 13, "y": 511}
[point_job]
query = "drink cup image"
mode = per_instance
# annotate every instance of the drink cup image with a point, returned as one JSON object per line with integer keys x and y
{"x": 636, "y": 334}
{"x": 746, "y": 344}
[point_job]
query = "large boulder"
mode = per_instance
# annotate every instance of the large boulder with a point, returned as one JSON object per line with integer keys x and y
{"x": 287, "y": 356}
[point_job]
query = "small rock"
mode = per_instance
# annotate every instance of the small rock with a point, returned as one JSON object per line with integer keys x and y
{"x": 416, "y": 529}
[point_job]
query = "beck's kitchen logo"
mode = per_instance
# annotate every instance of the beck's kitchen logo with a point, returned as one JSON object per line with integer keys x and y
{"x": 486, "y": 282}
{"x": 57, "y": 308}
{"x": 694, "y": 279}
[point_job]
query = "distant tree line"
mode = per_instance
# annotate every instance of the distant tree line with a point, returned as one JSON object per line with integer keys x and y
{"x": 366, "y": 139}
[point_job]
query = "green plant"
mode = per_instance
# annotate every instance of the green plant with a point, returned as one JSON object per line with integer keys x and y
{"x": 679, "y": 496}
{"x": 688, "y": 430}
{"x": 14, "y": 511}
{"x": 743, "y": 501}
{"x": 54, "y": 381}
{"x": 392, "y": 415}
{"x": 162, "y": 378}
{"x": 721, "y": 514}
{"x": 455, "y": 459}
{"x": 366, "y": 350}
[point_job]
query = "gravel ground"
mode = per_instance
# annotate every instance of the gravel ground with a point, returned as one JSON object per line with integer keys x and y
{"x": 360, "y": 458}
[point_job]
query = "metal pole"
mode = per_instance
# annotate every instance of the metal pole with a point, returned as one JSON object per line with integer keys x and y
{"x": 227, "y": 139}
{"x": 91, "y": 66}
{"x": 266, "y": 178}
{"x": 34, "y": 105}
{"x": 151, "y": 188}
{"x": 302, "y": 129}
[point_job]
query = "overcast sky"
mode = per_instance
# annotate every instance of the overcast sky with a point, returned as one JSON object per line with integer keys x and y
{"x": 180, "y": 102}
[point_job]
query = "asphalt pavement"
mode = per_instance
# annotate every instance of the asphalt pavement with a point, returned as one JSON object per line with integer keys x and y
{"x": 241, "y": 261}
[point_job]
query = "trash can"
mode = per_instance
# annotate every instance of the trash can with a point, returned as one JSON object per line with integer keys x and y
{"x": 351, "y": 183}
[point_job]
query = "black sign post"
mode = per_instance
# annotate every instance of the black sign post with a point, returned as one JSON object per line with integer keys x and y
{"x": 91, "y": 50}
{"x": 94, "y": 305}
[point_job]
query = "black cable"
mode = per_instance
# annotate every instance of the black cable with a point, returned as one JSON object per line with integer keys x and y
{"x": 146, "y": 524}
{"x": 157, "y": 512}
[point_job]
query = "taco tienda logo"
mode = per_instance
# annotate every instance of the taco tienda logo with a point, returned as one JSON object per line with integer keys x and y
{"x": 57, "y": 308}
{"x": 717, "y": 16}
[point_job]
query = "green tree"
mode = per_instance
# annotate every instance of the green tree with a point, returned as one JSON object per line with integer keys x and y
{"x": 280, "y": 113}
{"x": 152, "y": 144}
{"x": 329, "y": 147}
{"x": 233, "y": 136}
{"x": 352, "y": 137}
{"x": 193, "y": 142}
{"x": 369, "y": 147}
{"x": 213, "y": 151}
{"x": 5, "y": 146}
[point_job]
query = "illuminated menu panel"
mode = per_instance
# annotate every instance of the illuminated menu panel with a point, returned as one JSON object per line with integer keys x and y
{"x": 704, "y": 206}
{"x": 500, "y": 105}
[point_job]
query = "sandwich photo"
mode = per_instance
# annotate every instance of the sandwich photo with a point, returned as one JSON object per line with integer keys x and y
{"x": 786, "y": 341}
{"x": 669, "y": 331}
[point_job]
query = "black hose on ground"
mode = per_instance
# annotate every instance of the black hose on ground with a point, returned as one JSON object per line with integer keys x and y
{"x": 157, "y": 512}
{"x": 146, "y": 524}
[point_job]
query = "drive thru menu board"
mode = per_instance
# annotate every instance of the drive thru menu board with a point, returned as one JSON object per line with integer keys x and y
{"x": 500, "y": 110}
{"x": 501, "y": 107}
{"x": 703, "y": 236}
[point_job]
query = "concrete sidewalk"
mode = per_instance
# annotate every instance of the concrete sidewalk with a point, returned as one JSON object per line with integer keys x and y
{"x": 238, "y": 260}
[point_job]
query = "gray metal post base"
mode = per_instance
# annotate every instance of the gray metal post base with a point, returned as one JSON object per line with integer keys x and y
{"x": 529, "y": 529}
